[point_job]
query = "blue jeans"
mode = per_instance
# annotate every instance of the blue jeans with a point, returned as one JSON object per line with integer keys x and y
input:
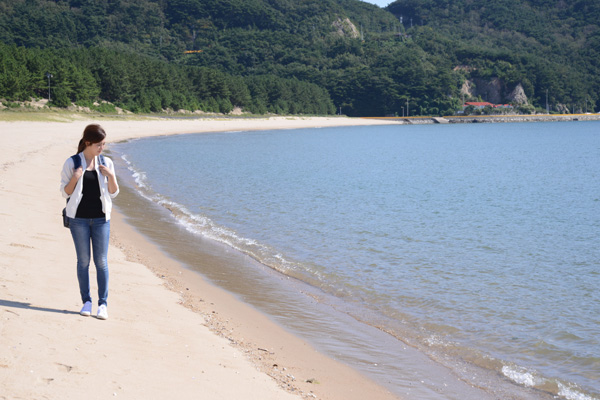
{"x": 96, "y": 231}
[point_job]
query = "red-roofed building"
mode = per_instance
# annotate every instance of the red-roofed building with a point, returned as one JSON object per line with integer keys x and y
{"x": 478, "y": 104}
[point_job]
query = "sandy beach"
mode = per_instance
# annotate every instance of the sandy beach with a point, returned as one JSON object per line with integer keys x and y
{"x": 170, "y": 334}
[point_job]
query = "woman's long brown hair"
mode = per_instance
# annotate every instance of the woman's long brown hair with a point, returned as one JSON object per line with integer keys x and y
{"x": 92, "y": 133}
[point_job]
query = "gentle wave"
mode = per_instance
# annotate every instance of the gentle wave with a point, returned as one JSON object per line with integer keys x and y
{"x": 527, "y": 378}
{"x": 202, "y": 225}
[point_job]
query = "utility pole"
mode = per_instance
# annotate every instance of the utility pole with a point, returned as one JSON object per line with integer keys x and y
{"x": 49, "y": 75}
{"x": 547, "y": 109}
{"x": 407, "y": 106}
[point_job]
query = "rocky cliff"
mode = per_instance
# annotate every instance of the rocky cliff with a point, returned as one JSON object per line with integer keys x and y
{"x": 494, "y": 90}
{"x": 345, "y": 27}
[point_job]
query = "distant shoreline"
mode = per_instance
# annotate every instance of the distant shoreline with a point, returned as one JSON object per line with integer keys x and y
{"x": 468, "y": 119}
{"x": 70, "y": 116}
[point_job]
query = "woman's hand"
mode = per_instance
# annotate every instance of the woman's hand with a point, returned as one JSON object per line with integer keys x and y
{"x": 105, "y": 171}
{"x": 73, "y": 182}
{"x": 77, "y": 174}
{"x": 112, "y": 179}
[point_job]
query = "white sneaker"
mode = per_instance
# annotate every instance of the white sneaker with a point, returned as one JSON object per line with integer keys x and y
{"x": 102, "y": 312}
{"x": 86, "y": 311}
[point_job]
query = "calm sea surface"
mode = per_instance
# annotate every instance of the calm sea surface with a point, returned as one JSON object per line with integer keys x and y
{"x": 470, "y": 241}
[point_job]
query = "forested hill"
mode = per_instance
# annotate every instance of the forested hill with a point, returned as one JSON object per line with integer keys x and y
{"x": 549, "y": 46}
{"x": 303, "y": 56}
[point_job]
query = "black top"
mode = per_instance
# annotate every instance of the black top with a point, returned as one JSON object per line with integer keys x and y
{"x": 91, "y": 205}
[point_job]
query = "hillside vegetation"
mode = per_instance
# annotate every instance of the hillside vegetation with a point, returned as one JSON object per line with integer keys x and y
{"x": 302, "y": 56}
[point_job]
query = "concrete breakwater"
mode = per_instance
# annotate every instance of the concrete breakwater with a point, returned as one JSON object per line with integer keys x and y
{"x": 523, "y": 118}
{"x": 468, "y": 119}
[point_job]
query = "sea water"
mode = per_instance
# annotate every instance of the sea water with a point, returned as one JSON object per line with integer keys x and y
{"x": 476, "y": 242}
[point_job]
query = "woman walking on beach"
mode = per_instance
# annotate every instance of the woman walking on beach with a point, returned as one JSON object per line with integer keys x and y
{"x": 90, "y": 189}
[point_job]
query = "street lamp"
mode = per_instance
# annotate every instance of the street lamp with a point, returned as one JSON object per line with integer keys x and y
{"x": 586, "y": 105}
{"x": 49, "y": 75}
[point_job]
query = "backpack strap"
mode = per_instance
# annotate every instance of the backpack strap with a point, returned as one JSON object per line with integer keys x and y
{"x": 76, "y": 161}
{"x": 76, "y": 164}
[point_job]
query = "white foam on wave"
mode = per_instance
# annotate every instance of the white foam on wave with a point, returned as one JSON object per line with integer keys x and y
{"x": 436, "y": 341}
{"x": 202, "y": 225}
{"x": 139, "y": 177}
{"x": 520, "y": 376}
{"x": 529, "y": 379}
{"x": 572, "y": 393}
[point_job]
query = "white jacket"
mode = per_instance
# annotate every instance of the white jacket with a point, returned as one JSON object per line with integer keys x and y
{"x": 75, "y": 197}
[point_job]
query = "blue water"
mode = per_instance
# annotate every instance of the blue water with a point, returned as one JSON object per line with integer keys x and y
{"x": 477, "y": 241}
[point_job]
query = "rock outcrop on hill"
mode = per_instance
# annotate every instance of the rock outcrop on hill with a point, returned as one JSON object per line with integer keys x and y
{"x": 517, "y": 96}
{"x": 345, "y": 27}
{"x": 494, "y": 90}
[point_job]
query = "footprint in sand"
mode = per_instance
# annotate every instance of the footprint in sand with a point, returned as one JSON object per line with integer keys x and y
{"x": 21, "y": 245}
{"x": 65, "y": 367}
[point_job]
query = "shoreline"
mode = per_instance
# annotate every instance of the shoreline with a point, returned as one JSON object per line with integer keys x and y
{"x": 303, "y": 315}
{"x": 53, "y": 351}
{"x": 288, "y": 359}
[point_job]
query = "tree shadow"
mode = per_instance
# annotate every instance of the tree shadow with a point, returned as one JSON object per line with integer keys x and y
{"x": 28, "y": 306}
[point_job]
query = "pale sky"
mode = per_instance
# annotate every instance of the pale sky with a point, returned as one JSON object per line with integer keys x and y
{"x": 380, "y": 3}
